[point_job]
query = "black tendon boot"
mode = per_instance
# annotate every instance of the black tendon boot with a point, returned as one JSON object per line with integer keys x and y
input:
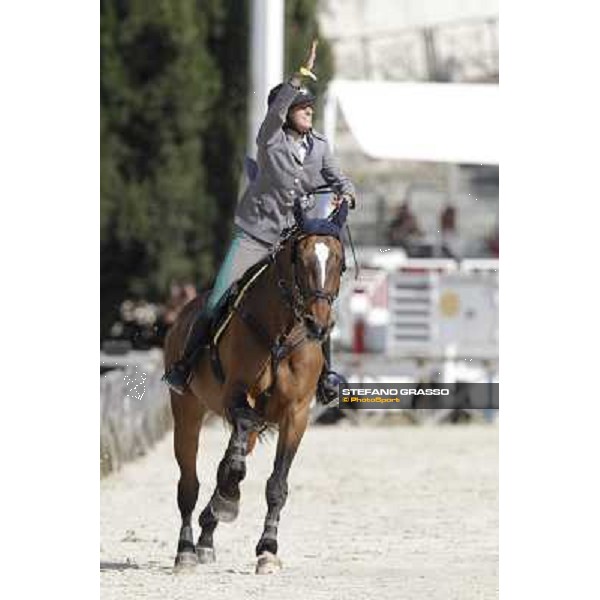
{"x": 178, "y": 376}
{"x": 328, "y": 386}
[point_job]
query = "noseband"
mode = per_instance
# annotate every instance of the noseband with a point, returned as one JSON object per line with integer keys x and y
{"x": 318, "y": 293}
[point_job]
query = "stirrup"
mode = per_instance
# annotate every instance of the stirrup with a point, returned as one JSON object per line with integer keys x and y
{"x": 328, "y": 388}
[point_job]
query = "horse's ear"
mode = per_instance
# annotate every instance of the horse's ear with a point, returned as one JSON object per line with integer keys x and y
{"x": 340, "y": 217}
{"x": 298, "y": 216}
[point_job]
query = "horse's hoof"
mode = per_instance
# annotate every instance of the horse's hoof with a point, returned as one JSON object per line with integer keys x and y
{"x": 185, "y": 561}
{"x": 206, "y": 555}
{"x": 223, "y": 509}
{"x": 268, "y": 563}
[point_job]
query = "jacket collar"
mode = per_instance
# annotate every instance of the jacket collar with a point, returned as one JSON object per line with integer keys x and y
{"x": 293, "y": 146}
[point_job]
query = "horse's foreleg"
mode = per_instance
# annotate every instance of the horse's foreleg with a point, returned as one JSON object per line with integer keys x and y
{"x": 224, "y": 503}
{"x": 291, "y": 430}
{"x": 187, "y": 417}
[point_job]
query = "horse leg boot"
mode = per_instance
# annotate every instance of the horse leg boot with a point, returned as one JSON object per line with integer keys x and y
{"x": 224, "y": 503}
{"x": 290, "y": 433}
{"x": 178, "y": 376}
{"x": 221, "y": 506}
{"x": 329, "y": 380}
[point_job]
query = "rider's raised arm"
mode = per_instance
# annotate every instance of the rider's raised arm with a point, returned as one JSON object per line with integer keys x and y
{"x": 334, "y": 176}
{"x": 277, "y": 113}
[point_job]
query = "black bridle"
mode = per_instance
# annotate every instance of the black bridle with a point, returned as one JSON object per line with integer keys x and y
{"x": 296, "y": 296}
{"x": 309, "y": 294}
{"x": 319, "y": 294}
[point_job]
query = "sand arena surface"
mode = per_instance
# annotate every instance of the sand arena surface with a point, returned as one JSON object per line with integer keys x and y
{"x": 372, "y": 512}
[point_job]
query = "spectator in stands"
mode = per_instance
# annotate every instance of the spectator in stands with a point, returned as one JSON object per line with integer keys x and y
{"x": 189, "y": 292}
{"x": 492, "y": 242}
{"x": 448, "y": 219}
{"x": 448, "y": 233}
{"x": 172, "y": 306}
{"x": 180, "y": 294}
{"x": 404, "y": 230}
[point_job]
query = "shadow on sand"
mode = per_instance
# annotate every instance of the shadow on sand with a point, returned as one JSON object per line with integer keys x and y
{"x": 117, "y": 566}
{"x": 107, "y": 566}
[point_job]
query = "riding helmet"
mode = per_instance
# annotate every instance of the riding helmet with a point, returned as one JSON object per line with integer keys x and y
{"x": 303, "y": 97}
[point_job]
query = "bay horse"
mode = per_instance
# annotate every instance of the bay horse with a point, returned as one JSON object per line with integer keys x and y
{"x": 270, "y": 358}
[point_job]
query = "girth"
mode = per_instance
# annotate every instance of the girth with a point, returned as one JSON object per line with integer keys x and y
{"x": 279, "y": 348}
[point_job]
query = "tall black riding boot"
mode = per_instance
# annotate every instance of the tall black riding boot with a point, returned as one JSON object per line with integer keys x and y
{"x": 177, "y": 377}
{"x": 329, "y": 381}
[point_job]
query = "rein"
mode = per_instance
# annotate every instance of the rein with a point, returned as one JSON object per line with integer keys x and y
{"x": 295, "y": 297}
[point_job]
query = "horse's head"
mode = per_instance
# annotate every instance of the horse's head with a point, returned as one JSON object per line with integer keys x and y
{"x": 318, "y": 262}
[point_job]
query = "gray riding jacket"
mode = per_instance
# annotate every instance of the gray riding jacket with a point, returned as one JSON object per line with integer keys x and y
{"x": 265, "y": 208}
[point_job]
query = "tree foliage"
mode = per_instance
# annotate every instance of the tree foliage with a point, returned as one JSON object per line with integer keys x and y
{"x": 173, "y": 83}
{"x": 174, "y": 90}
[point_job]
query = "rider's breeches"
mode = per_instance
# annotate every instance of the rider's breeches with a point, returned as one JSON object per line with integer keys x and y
{"x": 244, "y": 251}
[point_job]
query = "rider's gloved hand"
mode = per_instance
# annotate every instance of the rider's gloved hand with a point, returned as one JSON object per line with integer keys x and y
{"x": 337, "y": 200}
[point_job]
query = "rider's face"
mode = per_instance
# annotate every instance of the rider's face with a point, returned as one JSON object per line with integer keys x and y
{"x": 301, "y": 117}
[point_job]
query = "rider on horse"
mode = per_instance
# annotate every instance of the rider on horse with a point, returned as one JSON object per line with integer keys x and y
{"x": 293, "y": 160}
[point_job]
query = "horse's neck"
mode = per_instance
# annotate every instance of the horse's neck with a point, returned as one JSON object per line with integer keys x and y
{"x": 266, "y": 302}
